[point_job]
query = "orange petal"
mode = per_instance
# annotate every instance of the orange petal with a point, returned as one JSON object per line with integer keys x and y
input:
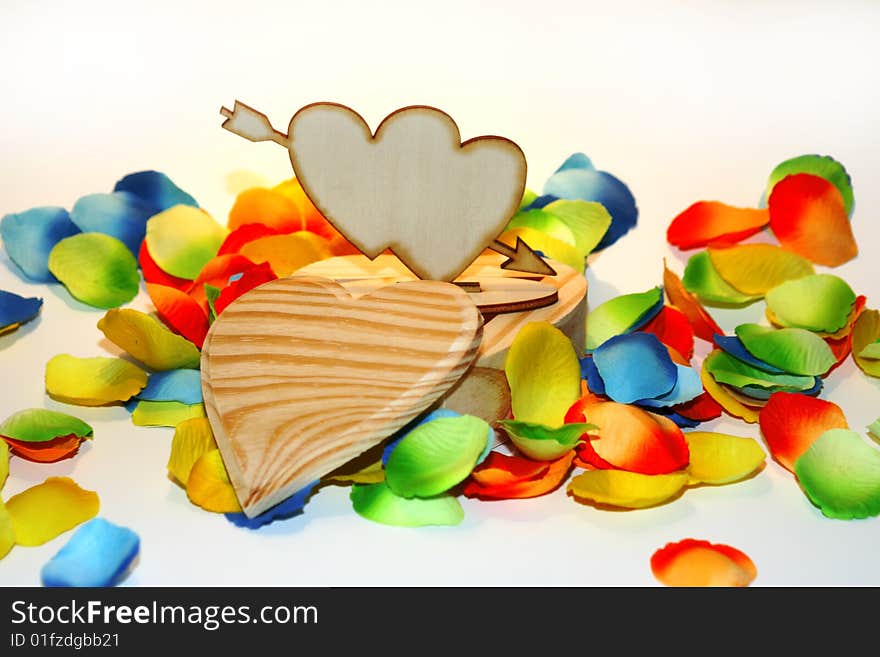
{"x": 242, "y": 235}
{"x": 808, "y": 216}
{"x": 47, "y": 451}
{"x": 154, "y": 274}
{"x": 180, "y": 312}
{"x": 702, "y": 323}
{"x": 500, "y": 469}
{"x": 673, "y": 329}
{"x": 791, "y": 422}
{"x": 287, "y": 253}
{"x": 551, "y": 479}
{"x": 575, "y": 414}
{"x": 250, "y": 279}
{"x": 216, "y": 272}
{"x": 693, "y": 563}
{"x": 635, "y": 440}
{"x": 259, "y": 205}
{"x": 712, "y": 223}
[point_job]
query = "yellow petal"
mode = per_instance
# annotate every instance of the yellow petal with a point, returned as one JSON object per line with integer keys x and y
{"x": 147, "y": 339}
{"x": 725, "y": 400}
{"x": 544, "y": 374}
{"x": 630, "y": 490}
{"x": 371, "y": 474}
{"x": 551, "y": 247}
{"x": 208, "y": 485}
{"x": 718, "y": 458}
{"x": 47, "y": 510}
{"x": 7, "y": 532}
{"x": 93, "y": 381}
{"x": 4, "y": 462}
{"x": 287, "y": 253}
{"x": 164, "y": 413}
{"x": 192, "y": 439}
{"x": 757, "y": 268}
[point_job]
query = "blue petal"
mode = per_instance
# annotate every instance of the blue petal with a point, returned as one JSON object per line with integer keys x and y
{"x": 687, "y": 387}
{"x": 155, "y": 189}
{"x": 757, "y": 392}
{"x": 290, "y": 507}
{"x": 131, "y": 404}
{"x": 573, "y": 182}
{"x": 17, "y": 310}
{"x": 541, "y": 201}
{"x": 433, "y": 415}
{"x": 682, "y": 421}
{"x": 590, "y": 372}
{"x": 577, "y": 161}
{"x": 734, "y": 346}
{"x": 29, "y": 237}
{"x": 97, "y": 554}
{"x": 120, "y": 215}
{"x": 184, "y": 386}
{"x": 635, "y": 366}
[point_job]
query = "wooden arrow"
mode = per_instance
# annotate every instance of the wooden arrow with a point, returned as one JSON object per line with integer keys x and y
{"x": 522, "y": 258}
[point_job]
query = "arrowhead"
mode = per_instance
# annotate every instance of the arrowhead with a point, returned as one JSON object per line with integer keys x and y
{"x": 527, "y": 260}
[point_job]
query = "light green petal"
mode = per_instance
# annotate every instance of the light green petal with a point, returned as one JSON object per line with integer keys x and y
{"x": 377, "y": 502}
{"x": 543, "y": 443}
{"x": 620, "y": 315}
{"x": 794, "y": 350}
{"x": 821, "y": 302}
{"x": 96, "y": 269}
{"x": 701, "y": 278}
{"x": 37, "y": 425}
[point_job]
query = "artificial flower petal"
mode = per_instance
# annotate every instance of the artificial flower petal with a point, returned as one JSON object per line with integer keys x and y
{"x": 710, "y": 223}
{"x": 38, "y": 425}
{"x": 182, "y": 239}
{"x": 687, "y": 387}
{"x": 217, "y": 272}
{"x": 731, "y": 371}
{"x": 622, "y": 314}
{"x": 719, "y": 458}
{"x": 30, "y": 236}
{"x": 208, "y": 485}
{"x": 97, "y": 555}
{"x": 674, "y": 330}
{"x": 119, "y": 214}
{"x": 701, "y": 408}
{"x": 435, "y": 456}
{"x": 808, "y": 216}
{"x": 840, "y": 473}
{"x": 630, "y": 490}
{"x": 47, "y": 510}
{"x": 502, "y": 469}
{"x": 823, "y": 166}
{"x": 93, "y": 381}
{"x": 245, "y": 233}
{"x": 7, "y": 532}
{"x": 635, "y": 366}
{"x": 4, "y": 463}
{"x": 790, "y": 423}
{"x": 586, "y": 222}
{"x": 873, "y": 428}
{"x": 733, "y": 346}
{"x": 693, "y": 563}
{"x": 192, "y": 439}
{"x": 547, "y": 245}
{"x": 372, "y": 473}
{"x": 544, "y": 374}
{"x": 265, "y": 206}
{"x": 287, "y": 508}
{"x": 165, "y": 413}
{"x": 184, "y": 386}
{"x": 287, "y": 253}
{"x": 632, "y": 439}
{"x": 47, "y": 451}
{"x": 377, "y": 502}
{"x": 755, "y": 269}
{"x": 542, "y": 482}
{"x": 155, "y": 189}
{"x": 724, "y": 399}
{"x": 578, "y": 179}
{"x": 793, "y": 350}
{"x": 865, "y": 333}
{"x": 154, "y": 274}
{"x": 16, "y": 310}
{"x": 147, "y": 340}
{"x": 541, "y": 443}
{"x": 249, "y": 280}
{"x": 544, "y": 222}
{"x": 701, "y": 322}
{"x": 180, "y": 312}
{"x": 821, "y": 302}
{"x": 701, "y": 278}
{"x": 96, "y": 269}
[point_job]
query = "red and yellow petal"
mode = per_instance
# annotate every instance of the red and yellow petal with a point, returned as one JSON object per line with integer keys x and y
{"x": 180, "y": 312}
{"x": 673, "y": 329}
{"x": 551, "y": 479}
{"x": 710, "y": 223}
{"x": 47, "y": 451}
{"x": 703, "y": 325}
{"x": 693, "y": 563}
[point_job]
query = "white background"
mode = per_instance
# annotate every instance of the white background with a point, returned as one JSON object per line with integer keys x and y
{"x": 684, "y": 101}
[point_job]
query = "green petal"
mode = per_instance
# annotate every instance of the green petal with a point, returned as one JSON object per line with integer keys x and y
{"x": 620, "y": 315}
{"x": 543, "y": 443}
{"x": 96, "y": 269}
{"x": 435, "y": 456}
{"x": 840, "y": 473}
{"x": 377, "y": 502}
{"x": 701, "y": 278}
{"x": 821, "y": 302}
{"x": 588, "y": 221}
{"x": 874, "y": 428}
{"x": 544, "y": 374}
{"x": 93, "y": 381}
{"x": 4, "y": 470}
{"x": 164, "y": 413}
{"x": 865, "y": 333}
{"x": 823, "y": 166}
{"x": 545, "y": 222}
{"x": 148, "y": 340}
{"x": 37, "y": 425}
{"x": 795, "y": 350}
{"x": 727, "y": 369}
{"x": 182, "y": 239}
{"x": 528, "y": 198}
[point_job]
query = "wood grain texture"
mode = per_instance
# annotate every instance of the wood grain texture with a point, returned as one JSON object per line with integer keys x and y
{"x": 411, "y": 186}
{"x": 299, "y": 377}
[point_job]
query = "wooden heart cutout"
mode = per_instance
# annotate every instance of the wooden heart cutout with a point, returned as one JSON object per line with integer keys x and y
{"x": 299, "y": 377}
{"x": 412, "y": 187}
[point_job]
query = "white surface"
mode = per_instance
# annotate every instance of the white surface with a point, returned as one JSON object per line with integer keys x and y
{"x": 684, "y": 102}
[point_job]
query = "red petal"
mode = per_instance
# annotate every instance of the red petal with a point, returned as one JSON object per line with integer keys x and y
{"x": 180, "y": 312}
{"x": 154, "y": 274}
{"x": 47, "y": 451}
{"x": 701, "y": 321}
{"x": 791, "y": 422}
{"x": 548, "y": 481}
{"x": 712, "y": 223}
{"x": 216, "y": 272}
{"x": 501, "y": 470}
{"x": 808, "y": 216}
{"x": 244, "y": 234}
{"x": 701, "y": 408}
{"x": 258, "y": 275}
{"x": 674, "y": 330}
{"x": 575, "y": 414}
{"x": 586, "y": 457}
